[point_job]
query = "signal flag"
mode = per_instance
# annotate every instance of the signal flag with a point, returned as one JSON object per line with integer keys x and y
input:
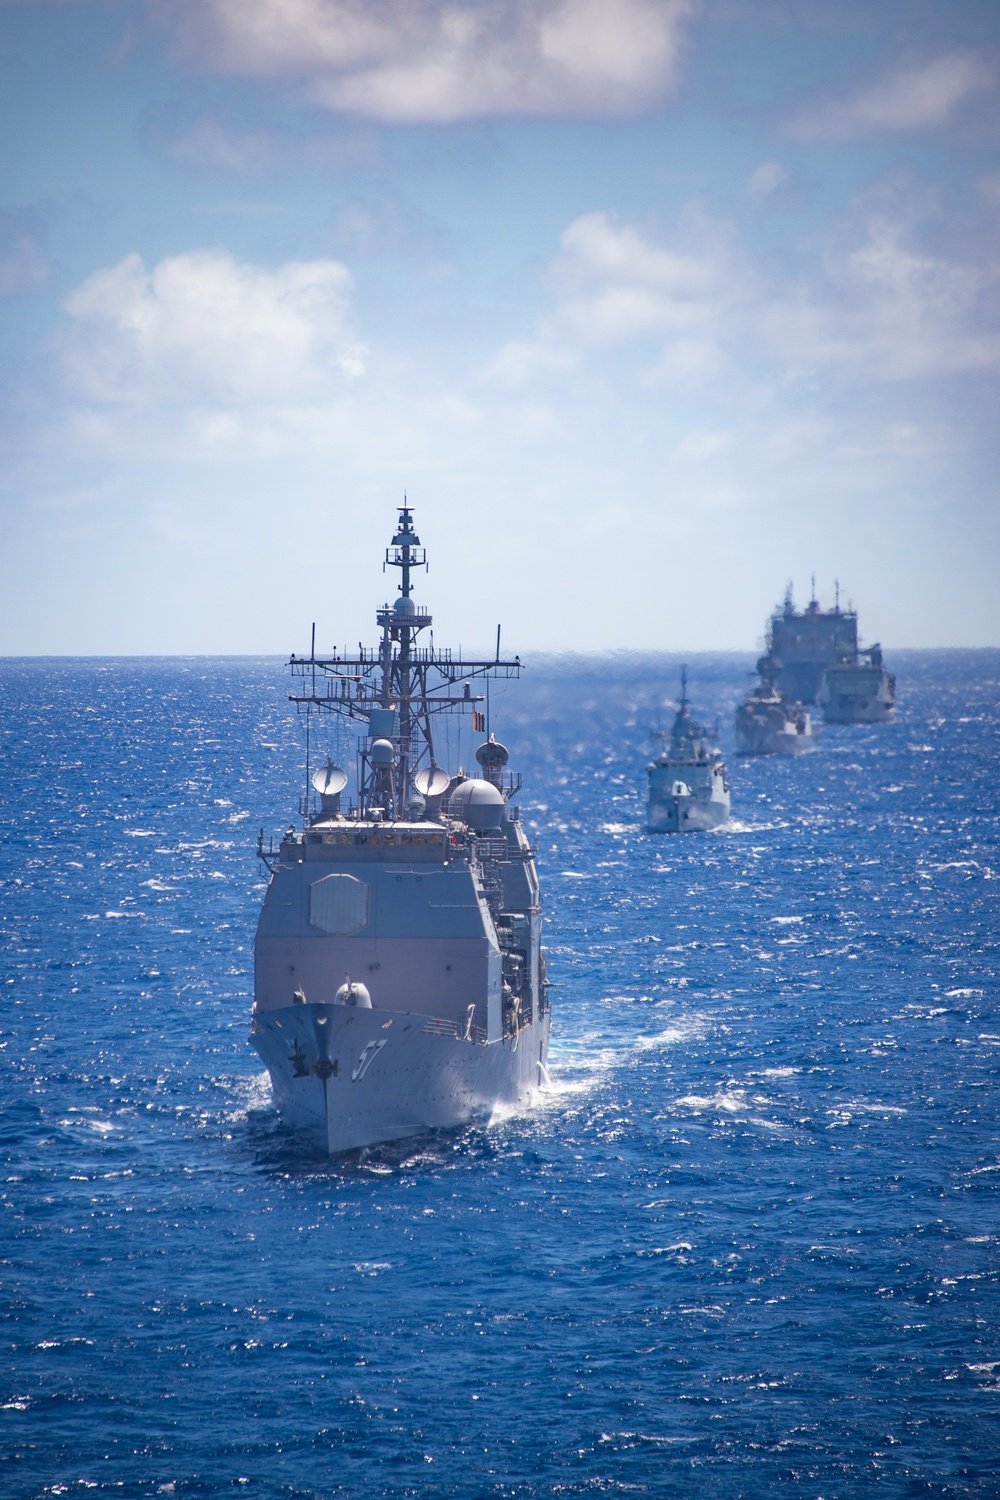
{"x": 478, "y": 721}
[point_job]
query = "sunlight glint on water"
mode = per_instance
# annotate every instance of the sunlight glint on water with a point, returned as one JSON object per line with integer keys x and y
{"x": 746, "y": 1241}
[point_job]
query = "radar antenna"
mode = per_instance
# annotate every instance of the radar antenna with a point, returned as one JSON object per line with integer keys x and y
{"x": 397, "y": 689}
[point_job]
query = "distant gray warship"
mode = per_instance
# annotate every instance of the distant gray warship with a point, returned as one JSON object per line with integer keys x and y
{"x": 767, "y": 725}
{"x": 688, "y": 788}
{"x": 399, "y": 979}
{"x": 859, "y": 691}
{"x": 813, "y": 656}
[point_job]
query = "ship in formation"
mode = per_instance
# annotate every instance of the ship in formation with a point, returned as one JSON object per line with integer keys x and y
{"x": 813, "y": 657}
{"x": 688, "y": 784}
{"x": 767, "y": 724}
{"x": 399, "y": 978}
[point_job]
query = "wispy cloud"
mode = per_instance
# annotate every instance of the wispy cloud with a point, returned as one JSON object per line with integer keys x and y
{"x": 202, "y": 357}
{"x": 24, "y": 266}
{"x": 767, "y": 179}
{"x": 910, "y": 97}
{"x": 874, "y": 301}
{"x": 615, "y": 285}
{"x": 415, "y": 61}
{"x": 204, "y": 330}
{"x": 890, "y": 309}
{"x": 213, "y": 145}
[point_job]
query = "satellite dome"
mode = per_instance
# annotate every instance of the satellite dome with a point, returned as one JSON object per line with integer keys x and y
{"x": 329, "y": 780}
{"x": 404, "y": 605}
{"x": 479, "y": 804}
{"x": 382, "y": 753}
{"x": 492, "y": 756}
{"x": 432, "y": 781}
{"x": 353, "y": 994}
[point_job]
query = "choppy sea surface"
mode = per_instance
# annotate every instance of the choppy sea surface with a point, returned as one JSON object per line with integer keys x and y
{"x": 747, "y": 1245}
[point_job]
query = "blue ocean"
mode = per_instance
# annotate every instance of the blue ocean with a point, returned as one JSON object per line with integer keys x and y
{"x": 746, "y": 1246}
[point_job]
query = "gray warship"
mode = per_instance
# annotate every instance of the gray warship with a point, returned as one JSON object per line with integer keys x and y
{"x": 766, "y": 724}
{"x": 399, "y": 979}
{"x": 813, "y": 656}
{"x": 688, "y": 786}
{"x": 858, "y": 691}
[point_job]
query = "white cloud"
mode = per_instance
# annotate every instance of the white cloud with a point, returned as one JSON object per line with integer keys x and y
{"x": 202, "y": 329}
{"x": 767, "y": 179}
{"x": 909, "y": 97}
{"x": 203, "y": 359}
{"x": 875, "y": 304}
{"x": 431, "y": 61}
{"x": 181, "y": 477}
{"x": 888, "y": 309}
{"x": 614, "y": 286}
{"x": 520, "y": 360}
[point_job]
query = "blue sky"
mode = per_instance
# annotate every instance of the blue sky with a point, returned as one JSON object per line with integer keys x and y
{"x": 649, "y": 306}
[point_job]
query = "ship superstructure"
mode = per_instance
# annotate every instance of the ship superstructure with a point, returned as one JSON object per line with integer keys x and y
{"x": 802, "y": 644}
{"x": 399, "y": 978}
{"x": 814, "y": 656}
{"x": 688, "y": 785}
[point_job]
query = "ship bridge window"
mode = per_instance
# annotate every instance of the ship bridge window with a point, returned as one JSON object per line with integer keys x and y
{"x": 338, "y": 903}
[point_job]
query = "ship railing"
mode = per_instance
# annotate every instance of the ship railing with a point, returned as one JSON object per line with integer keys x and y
{"x": 341, "y": 666}
{"x": 492, "y": 848}
{"x": 459, "y": 1031}
{"x": 268, "y": 856}
{"x": 419, "y": 619}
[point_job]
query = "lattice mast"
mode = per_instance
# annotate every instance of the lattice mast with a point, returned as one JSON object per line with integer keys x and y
{"x": 398, "y": 687}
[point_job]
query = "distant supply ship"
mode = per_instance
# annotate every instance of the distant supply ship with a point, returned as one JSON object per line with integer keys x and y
{"x": 399, "y": 978}
{"x": 813, "y": 656}
{"x": 767, "y": 725}
{"x": 859, "y": 691}
{"x": 688, "y": 787}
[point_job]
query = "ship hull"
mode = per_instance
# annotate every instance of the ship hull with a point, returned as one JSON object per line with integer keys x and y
{"x": 680, "y": 814}
{"x": 841, "y": 710}
{"x": 865, "y": 713}
{"x": 350, "y": 1078}
{"x": 858, "y": 696}
{"x": 771, "y": 742}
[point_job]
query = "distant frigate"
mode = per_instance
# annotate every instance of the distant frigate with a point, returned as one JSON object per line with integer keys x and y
{"x": 766, "y": 724}
{"x": 399, "y": 978}
{"x": 688, "y": 786}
